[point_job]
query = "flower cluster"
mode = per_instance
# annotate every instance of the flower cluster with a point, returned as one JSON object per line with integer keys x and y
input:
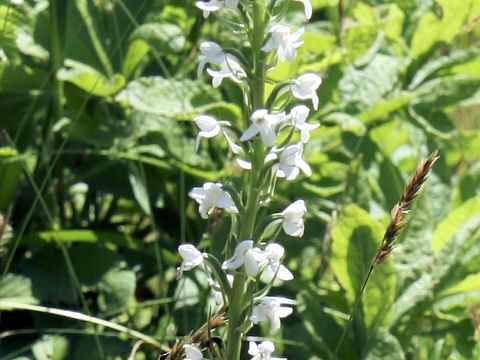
{"x": 269, "y": 147}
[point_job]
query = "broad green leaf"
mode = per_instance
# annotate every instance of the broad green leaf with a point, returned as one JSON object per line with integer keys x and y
{"x": 136, "y": 52}
{"x": 413, "y": 255}
{"x": 460, "y": 255}
{"x": 436, "y": 28}
{"x": 168, "y": 97}
{"x": 116, "y": 289}
{"x": 454, "y": 220}
{"x": 139, "y": 187}
{"x": 51, "y": 347}
{"x": 444, "y": 65}
{"x": 416, "y": 293}
{"x": 17, "y": 288}
{"x": 385, "y": 107}
{"x": 355, "y": 240}
{"x": 384, "y": 346}
{"x": 356, "y": 190}
{"x": 320, "y": 324}
{"x": 363, "y": 88}
{"x": 90, "y": 80}
{"x": 164, "y": 38}
{"x": 468, "y": 186}
{"x": 446, "y": 91}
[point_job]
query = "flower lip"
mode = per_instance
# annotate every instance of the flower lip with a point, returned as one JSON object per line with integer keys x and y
{"x": 208, "y": 125}
{"x": 305, "y": 87}
{"x": 293, "y": 223}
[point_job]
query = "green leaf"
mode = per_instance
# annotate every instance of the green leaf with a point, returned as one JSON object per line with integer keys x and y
{"x": 168, "y": 97}
{"x": 454, "y": 220}
{"x": 165, "y": 38}
{"x": 116, "y": 289}
{"x": 384, "y": 346}
{"x": 363, "y": 88}
{"x": 468, "y": 186}
{"x": 355, "y": 240}
{"x": 51, "y": 347}
{"x": 136, "y": 52}
{"x": 436, "y": 28}
{"x": 139, "y": 187}
{"x": 89, "y": 79}
{"x": 444, "y": 65}
{"x": 413, "y": 255}
{"x": 17, "y": 288}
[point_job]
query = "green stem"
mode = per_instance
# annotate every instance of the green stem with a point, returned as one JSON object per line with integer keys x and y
{"x": 238, "y": 299}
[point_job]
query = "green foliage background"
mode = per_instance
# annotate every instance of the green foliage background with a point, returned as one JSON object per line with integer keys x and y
{"x": 96, "y": 160}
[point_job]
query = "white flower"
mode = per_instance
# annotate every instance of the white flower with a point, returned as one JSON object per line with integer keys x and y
{"x": 263, "y": 122}
{"x": 305, "y": 87}
{"x": 271, "y": 308}
{"x": 191, "y": 256}
{"x": 211, "y": 53}
{"x": 214, "y": 5}
{"x": 291, "y": 162}
{"x": 210, "y": 196}
{"x": 192, "y": 352}
{"x": 293, "y": 224}
{"x": 274, "y": 254}
{"x": 284, "y": 41}
{"x": 307, "y": 4}
{"x": 247, "y": 255}
{"x": 262, "y": 351}
{"x": 208, "y": 126}
{"x": 229, "y": 68}
{"x": 299, "y": 114}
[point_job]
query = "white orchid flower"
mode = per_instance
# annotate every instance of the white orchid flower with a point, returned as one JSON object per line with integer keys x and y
{"x": 293, "y": 223}
{"x": 229, "y": 68}
{"x": 192, "y": 352}
{"x": 211, "y": 53}
{"x": 208, "y": 126}
{"x": 271, "y": 309}
{"x": 274, "y": 254}
{"x": 307, "y": 4}
{"x": 209, "y": 196}
{"x": 214, "y": 5}
{"x": 299, "y": 114}
{"x": 245, "y": 254}
{"x": 291, "y": 162}
{"x": 263, "y": 123}
{"x": 191, "y": 256}
{"x": 284, "y": 41}
{"x": 305, "y": 87}
{"x": 262, "y": 351}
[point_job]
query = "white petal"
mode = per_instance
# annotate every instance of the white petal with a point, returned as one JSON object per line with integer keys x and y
{"x": 244, "y": 164}
{"x": 192, "y": 352}
{"x": 284, "y": 274}
{"x": 292, "y": 229}
{"x": 303, "y": 165}
{"x": 224, "y": 200}
{"x": 252, "y": 348}
{"x": 251, "y": 265}
{"x": 268, "y": 136}
{"x": 251, "y": 131}
{"x": 197, "y": 193}
{"x": 308, "y": 8}
{"x": 283, "y": 311}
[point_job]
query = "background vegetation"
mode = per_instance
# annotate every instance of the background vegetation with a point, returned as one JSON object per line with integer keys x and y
{"x": 97, "y": 155}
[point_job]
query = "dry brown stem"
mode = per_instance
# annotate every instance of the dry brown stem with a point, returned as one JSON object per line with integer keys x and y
{"x": 397, "y": 215}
